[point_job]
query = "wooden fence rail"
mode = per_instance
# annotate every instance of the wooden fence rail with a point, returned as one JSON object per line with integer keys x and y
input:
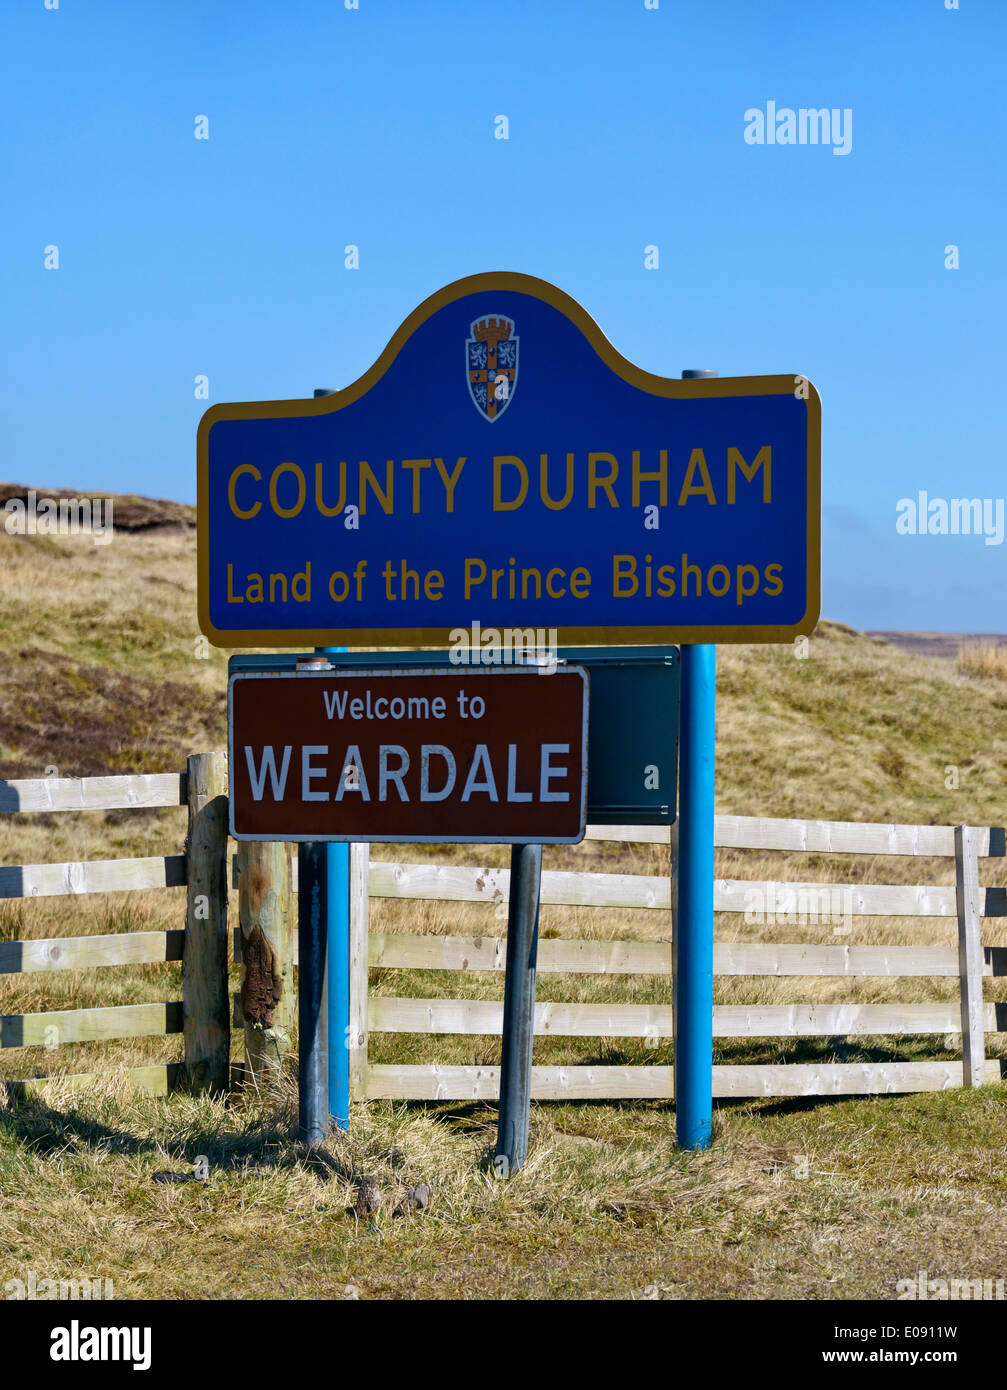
{"x": 95, "y": 793}
{"x": 93, "y": 876}
{"x": 201, "y": 1016}
{"x": 967, "y": 903}
{"x": 432, "y": 1082}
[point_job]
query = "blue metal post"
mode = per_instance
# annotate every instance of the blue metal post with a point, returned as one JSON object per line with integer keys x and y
{"x": 693, "y": 936}
{"x": 693, "y": 943}
{"x": 337, "y": 865}
{"x": 337, "y": 900}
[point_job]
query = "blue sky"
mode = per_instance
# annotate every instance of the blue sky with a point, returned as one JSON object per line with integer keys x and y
{"x": 375, "y": 127}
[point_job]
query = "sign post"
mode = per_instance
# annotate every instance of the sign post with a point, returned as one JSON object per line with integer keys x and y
{"x": 313, "y": 889}
{"x": 519, "y": 1009}
{"x": 692, "y": 943}
{"x": 336, "y": 892}
{"x": 316, "y": 904}
{"x": 320, "y": 754}
{"x": 502, "y": 471}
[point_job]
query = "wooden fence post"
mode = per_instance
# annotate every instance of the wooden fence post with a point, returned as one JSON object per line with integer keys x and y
{"x": 970, "y": 956}
{"x": 267, "y": 1002}
{"x": 205, "y": 1021}
{"x": 360, "y": 865}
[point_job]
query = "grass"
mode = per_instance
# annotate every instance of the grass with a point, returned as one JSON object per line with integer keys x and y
{"x": 823, "y": 1200}
{"x": 106, "y": 672}
{"x": 984, "y": 660}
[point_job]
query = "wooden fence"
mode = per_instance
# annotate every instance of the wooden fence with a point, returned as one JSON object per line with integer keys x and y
{"x": 202, "y": 1016}
{"x": 967, "y": 902}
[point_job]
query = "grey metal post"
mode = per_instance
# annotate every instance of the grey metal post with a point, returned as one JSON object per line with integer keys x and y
{"x": 519, "y": 1008}
{"x": 312, "y": 977}
{"x": 312, "y": 993}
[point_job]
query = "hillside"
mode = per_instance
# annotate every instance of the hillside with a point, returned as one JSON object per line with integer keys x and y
{"x": 105, "y": 670}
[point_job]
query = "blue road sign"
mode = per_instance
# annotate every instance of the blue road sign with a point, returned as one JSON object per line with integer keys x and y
{"x": 502, "y": 464}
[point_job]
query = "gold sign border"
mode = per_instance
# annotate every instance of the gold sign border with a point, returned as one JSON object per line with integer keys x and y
{"x": 669, "y": 387}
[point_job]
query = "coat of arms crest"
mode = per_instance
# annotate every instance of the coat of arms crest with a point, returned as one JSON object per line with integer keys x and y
{"x": 491, "y": 364}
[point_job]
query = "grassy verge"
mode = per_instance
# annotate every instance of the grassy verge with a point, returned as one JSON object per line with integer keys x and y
{"x": 795, "y": 1200}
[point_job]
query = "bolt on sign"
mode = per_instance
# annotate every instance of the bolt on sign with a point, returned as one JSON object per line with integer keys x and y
{"x": 427, "y": 756}
{"x": 502, "y": 462}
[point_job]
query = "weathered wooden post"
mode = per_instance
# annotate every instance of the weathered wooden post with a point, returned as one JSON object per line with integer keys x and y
{"x": 267, "y": 1000}
{"x": 205, "y": 1022}
{"x": 360, "y": 863}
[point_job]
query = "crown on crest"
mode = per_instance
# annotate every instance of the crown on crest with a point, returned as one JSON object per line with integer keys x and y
{"x": 493, "y": 330}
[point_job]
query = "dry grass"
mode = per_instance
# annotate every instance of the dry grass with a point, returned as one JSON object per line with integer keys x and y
{"x": 984, "y": 660}
{"x": 104, "y": 671}
{"x": 831, "y": 1200}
